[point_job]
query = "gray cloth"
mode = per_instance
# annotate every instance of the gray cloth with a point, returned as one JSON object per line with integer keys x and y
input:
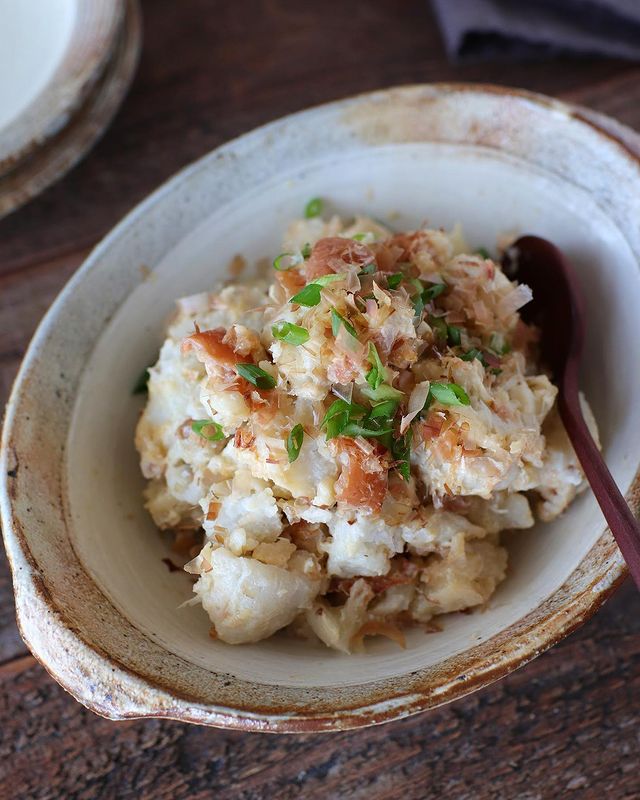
{"x": 520, "y": 29}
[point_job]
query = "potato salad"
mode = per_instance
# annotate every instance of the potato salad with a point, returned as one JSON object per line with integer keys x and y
{"x": 338, "y": 446}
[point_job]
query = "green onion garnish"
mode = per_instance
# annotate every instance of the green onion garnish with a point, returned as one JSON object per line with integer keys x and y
{"x": 306, "y": 250}
{"x": 359, "y": 237}
{"x": 474, "y": 353}
{"x": 499, "y": 344}
{"x": 433, "y": 291}
{"x": 393, "y": 281}
{"x": 453, "y": 335}
{"x": 439, "y": 327}
{"x": 140, "y": 386}
{"x": 338, "y": 415}
{"x": 401, "y": 451}
{"x": 258, "y": 377}
{"x": 313, "y": 208}
{"x": 286, "y": 261}
{"x": 449, "y": 394}
{"x": 290, "y": 333}
{"x": 200, "y": 426}
{"x": 355, "y": 429}
{"x": 337, "y": 320}
{"x": 382, "y": 392}
{"x": 310, "y": 295}
{"x": 482, "y": 251}
{"x": 369, "y": 269}
{"x": 294, "y": 442}
{"x": 387, "y": 408}
{"x": 377, "y": 373}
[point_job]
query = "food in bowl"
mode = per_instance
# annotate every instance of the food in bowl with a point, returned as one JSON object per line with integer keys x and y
{"x": 350, "y": 438}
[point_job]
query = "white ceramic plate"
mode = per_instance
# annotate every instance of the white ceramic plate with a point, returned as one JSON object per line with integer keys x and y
{"x": 61, "y": 152}
{"x": 52, "y": 52}
{"x": 95, "y": 602}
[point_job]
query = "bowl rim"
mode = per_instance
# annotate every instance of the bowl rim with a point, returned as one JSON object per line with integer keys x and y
{"x": 546, "y": 624}
{"x": 92, "y": 39}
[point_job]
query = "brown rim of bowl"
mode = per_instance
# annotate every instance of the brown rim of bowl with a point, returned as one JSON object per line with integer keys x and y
{"x": 547, "y": 624}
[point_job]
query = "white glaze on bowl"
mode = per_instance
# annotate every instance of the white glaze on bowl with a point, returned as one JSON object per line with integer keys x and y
{"x": 86, "y": 559}
{"x": 52, "y": 53}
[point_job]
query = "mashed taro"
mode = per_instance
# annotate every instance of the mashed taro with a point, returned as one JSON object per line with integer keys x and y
{"x": 353, "y": 435}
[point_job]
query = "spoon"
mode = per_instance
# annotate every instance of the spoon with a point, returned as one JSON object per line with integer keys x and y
{"x": 558, "y": 309}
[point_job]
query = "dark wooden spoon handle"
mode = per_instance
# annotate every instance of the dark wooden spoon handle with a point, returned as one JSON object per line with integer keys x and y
{"x": 617, "y": 513}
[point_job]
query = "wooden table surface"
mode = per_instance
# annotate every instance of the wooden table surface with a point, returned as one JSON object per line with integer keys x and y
{"x": 566, "y": 725}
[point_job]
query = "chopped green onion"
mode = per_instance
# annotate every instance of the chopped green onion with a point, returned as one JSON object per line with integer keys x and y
{"x": 325, "y": 280}
{"x": 200, "y": 426}
{"x": 309, "y": 296}
{"x": 140, "y": 386}
{"x": 449, "y": 394}
{"x": 354, "y": 429}
{"x": 360, "y": 237}
{"x": 401, "y": 451}
{"x": 306, "y": 250}
{"x": 433, "y": 291}
{"x": 439, "y": 327}
{"x": 498, "y": 344}
{"x": 338, "y": 415}
{"x": 474, "y": 353}
{"x": 393, "y": 281}
{"x": 495, "y": 371}
{"x": 286, "y": 261}
{"x": 377, "y": 373}
{"x": 369, "y": 269}
{"x": 382, "y": 392}
{"x": 258, "y": 377}
{"x": 313, "y": 208}
{"x": 290, "y": 333}
{"x": 387, "y": 408}
{"x": 337, "y": 320}
{"x": 482, "y": 251}
{"x": 453, "y": 335}
{"x": 418, "y": 306}
{"x": 294, "y": 442}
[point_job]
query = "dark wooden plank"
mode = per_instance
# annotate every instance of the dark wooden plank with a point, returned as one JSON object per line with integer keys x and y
{"x": 564, "y": 726}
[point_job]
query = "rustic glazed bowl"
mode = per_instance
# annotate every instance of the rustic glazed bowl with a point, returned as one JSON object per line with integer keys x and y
{"x": 52, "y": 53}
{"x": 59, "y": 152}
{"x": 95, "y": 602}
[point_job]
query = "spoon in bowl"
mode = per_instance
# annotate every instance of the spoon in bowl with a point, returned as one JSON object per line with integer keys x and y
{"x": 557, "y": 309}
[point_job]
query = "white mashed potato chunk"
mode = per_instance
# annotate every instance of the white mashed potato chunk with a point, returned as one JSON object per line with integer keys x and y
{"x": 247, "y": 600}
{"x": 502, "y": 437}
{"x": 312, "y": 476}
{"x": 245, "y": 517}
{"x": 504, "y": 511}
{"x": 336, "y": 627}
{"x": 361, "y": 546}
{"x": 560, "y": 477}
{"x": 465, "y": 577}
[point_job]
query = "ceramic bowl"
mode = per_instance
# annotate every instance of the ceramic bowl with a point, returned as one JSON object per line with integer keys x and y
{"x": 96, "y": 604}
{"x": 54, "y": 51}
{"x": 58, "y": 153}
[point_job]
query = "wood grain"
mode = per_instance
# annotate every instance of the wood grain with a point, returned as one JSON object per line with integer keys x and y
{"x": 565, "y": 725}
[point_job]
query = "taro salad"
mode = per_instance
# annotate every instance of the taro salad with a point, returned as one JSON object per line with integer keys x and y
{"x": 337, "y": 446}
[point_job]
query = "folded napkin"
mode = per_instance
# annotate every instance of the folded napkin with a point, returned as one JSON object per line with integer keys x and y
{"x": 519, "y": 29}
